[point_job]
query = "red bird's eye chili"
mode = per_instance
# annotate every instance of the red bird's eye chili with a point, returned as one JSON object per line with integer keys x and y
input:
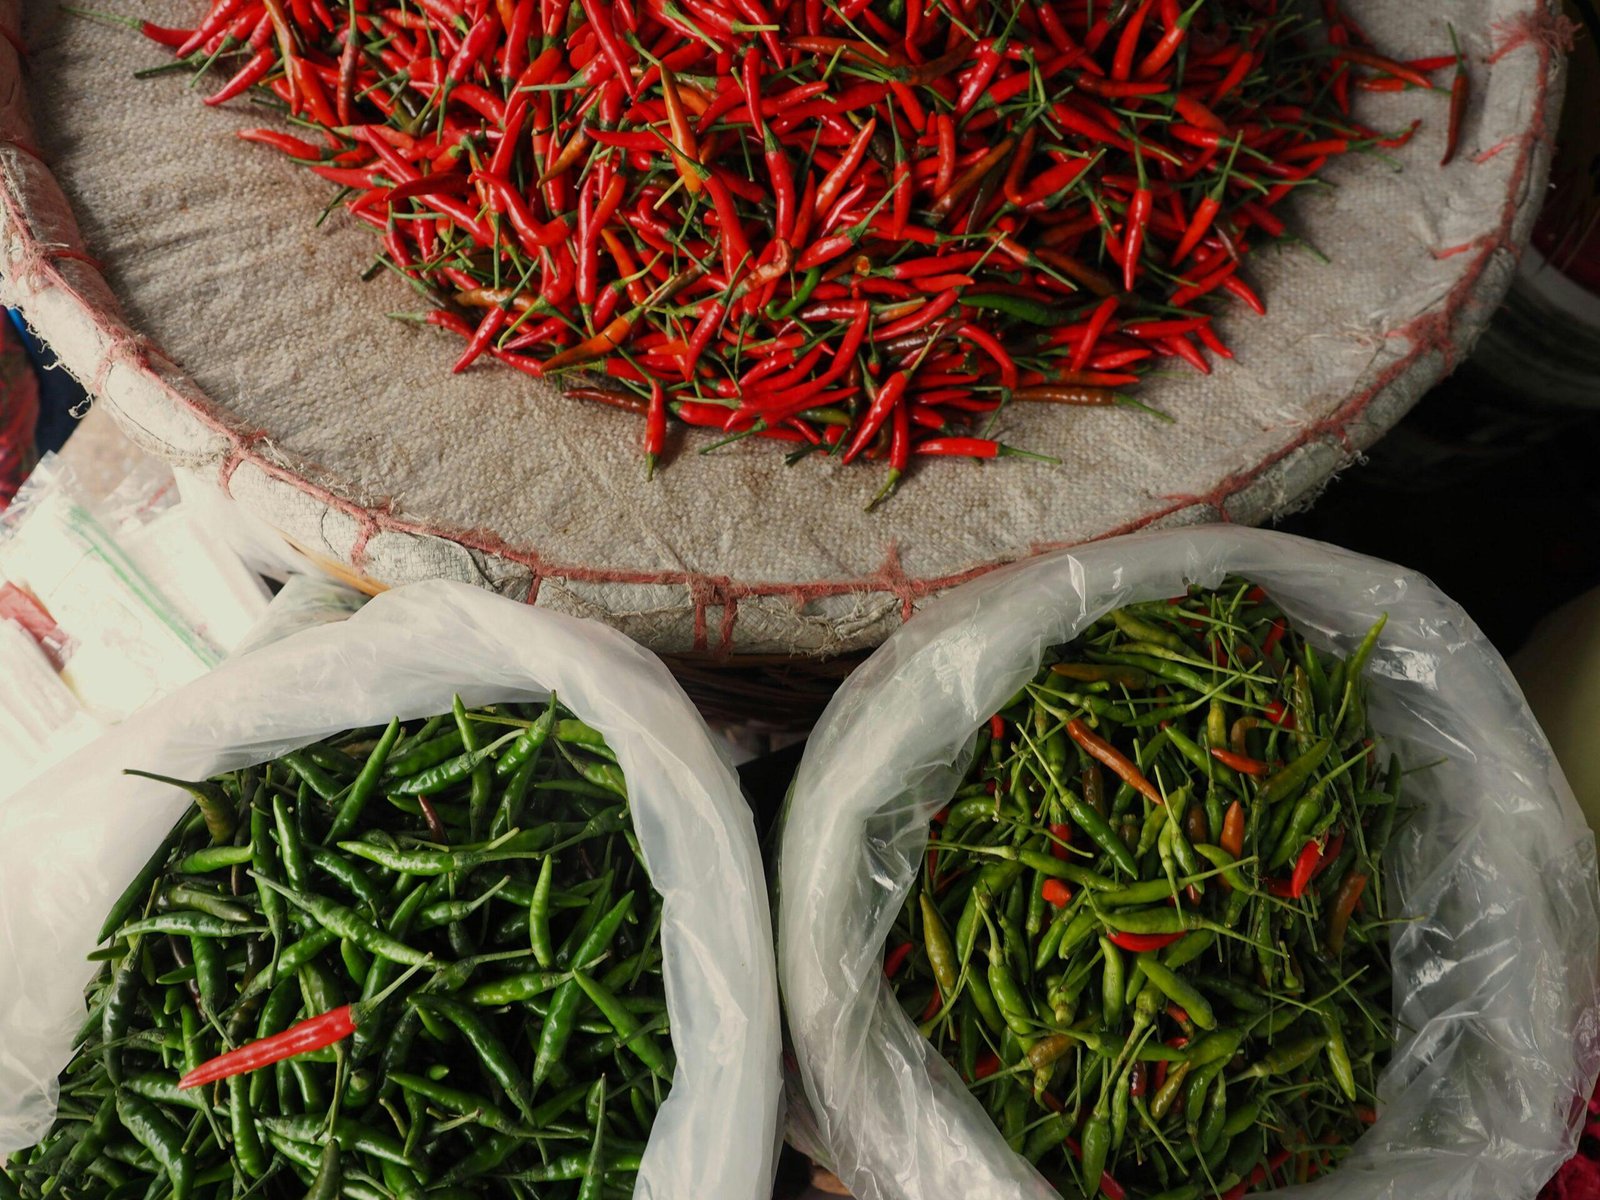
{"x": 790, "y": 152}
{"x": 1460, "y": 95}
{"x": 309, "y": 1035}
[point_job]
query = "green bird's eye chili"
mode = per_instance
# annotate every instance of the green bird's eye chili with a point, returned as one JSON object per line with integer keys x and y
{"x": 1190, "y": 1016}
{"x": 372, "y": 998}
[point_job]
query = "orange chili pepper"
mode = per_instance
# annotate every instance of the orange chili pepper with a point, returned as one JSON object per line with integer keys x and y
{"x": 1103, "y": 751}
{"x": 1232, "y": 839}
{"x": 1239, "y": 762}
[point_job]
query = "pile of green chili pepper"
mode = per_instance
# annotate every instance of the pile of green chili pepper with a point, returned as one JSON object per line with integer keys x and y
{"x": 423, "y": 959}
{"x": 1149, "y": 929}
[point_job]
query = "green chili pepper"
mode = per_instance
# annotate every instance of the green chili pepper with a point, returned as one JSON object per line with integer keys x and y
{"x": 213, "y": 858}
{"x": 526, "y": 748}
{"x": 1168, "y": 1093}
{"x": 315, "y": 777}
{"x": 327, "y": 1184}
{"x": 557, "y": 1028}
{"x": 941, "y": 953}
{"x": 420, "y": 756}
{"x": 1050, "y": 943}
{"x": 1220, "y": 858}
{"x": 1353, "y": 668}
{"x": 351, "y": 1137}
{"x": 184, "y": 896}
{"x": 289, "y": 961}
{"x": 1190, "y": 947}
{"x": 491, "y": 1052}
{"x": 247, "y": 1148}
{"x": 437, "y": 778}
{"x": 157, "y": 1134}
{"x": 343, "y": 922}
{"x": 629, "y": 1028}
{"x": 1096, "y": 1143}
{"x": 515, "y": 989}
{"x": 264, "y": 865}
{"x": 481, "y": 1109}
{"x": 1009, "y": 999}
{"x": 137, "y": 893}
{"x": 435, "y": 862}
{"x": 188, "y": 923}
{"x": 1280, "y": 1060}
{"x": 1287, "y": 783}
{"x": 1216, "y": 1114}
{"x": 366, "y": 783}
{"x": 211, "y": 973}
{"x": 1113, "y": 983}
{"x": 214, "y": 804}
{"x": 574, "y": 1166}
{"x": 1180, "y": 992}
{"x": 1303, "y": 817}
{"x": 1338, "y": 1055}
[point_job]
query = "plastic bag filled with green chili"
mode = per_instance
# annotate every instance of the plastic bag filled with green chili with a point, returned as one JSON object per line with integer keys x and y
{"x": 1490, "y": 885}
{"x": 71, "y": 841}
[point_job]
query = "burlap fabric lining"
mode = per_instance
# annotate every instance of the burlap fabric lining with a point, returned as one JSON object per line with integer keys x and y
{"x": 230, "y": 334}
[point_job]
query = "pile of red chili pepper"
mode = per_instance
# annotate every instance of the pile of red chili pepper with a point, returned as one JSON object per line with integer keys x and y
{"x": 1149, "y": 928}
{"x": 860, "y": 226}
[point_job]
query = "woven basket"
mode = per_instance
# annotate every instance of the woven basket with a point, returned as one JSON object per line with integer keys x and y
{"x": 232, "y": 336}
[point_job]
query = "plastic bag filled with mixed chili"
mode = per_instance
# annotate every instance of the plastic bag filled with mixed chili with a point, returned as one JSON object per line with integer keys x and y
{"x": 1188, "y": 865}
{"x": 512, "y": 940}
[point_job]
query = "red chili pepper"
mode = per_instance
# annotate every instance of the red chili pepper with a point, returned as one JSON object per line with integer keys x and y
{"x": 1274, "y": 635}
{"x": 213, "y": 22}
{"x": 1097, "y": 324}
{"x": 1056, "y": 893}
{"x": 250, "y": 74}
{"x": 1133, "y": 232}
{"x": 899, "y": 451}
{"x": 844, "y": 170}
{"x": 1122, "y": 61}
{"x": 1460, "y": 96}
{"x": 906, "y": 210}
{"x": 1378, "y": 62}
{"x": 1241, "y": 763}
{"x": 959, "y": 447}
{"x": 1061, "y": 838}
{"x": 896, "y": 959}
{"x": 1164, "y": 50}
{"x": 292, "y": 146}
{"x": 489, "y": 327}
{"x": 1139, "y": 943}
{"x": 889, "y": 395}
{"x": 309, "y": 1035}
{"x": 1305, "y": 866}
{"x": 1343, "y": 908}
{"x": 1278, "y": 713}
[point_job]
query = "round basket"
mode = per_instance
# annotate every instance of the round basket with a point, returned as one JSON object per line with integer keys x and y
{"x": 181, "y": 274}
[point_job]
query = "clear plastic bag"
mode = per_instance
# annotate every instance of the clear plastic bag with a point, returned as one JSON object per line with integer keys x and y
{"x": 70, "y": 842}
{"x": 1496, "y": 978}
